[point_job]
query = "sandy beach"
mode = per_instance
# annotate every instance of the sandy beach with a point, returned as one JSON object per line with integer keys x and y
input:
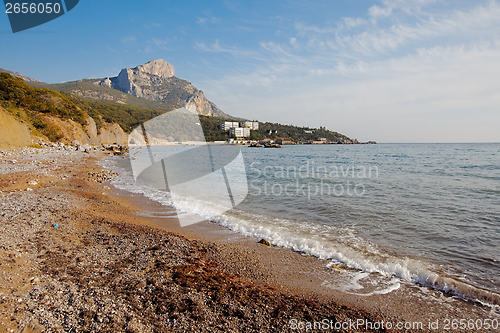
{"x": 78, "y": 255}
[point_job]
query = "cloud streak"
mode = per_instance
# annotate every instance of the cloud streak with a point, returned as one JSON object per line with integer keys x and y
{"x": 395, "y": 74}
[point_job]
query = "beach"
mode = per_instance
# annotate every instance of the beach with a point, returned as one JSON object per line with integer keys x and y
{"x": 79, "y": 255}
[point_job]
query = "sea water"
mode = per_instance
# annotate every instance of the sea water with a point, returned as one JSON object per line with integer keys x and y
{"x": 388, "y": 213}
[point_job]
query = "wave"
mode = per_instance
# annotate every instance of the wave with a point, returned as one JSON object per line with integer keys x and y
{"x": 337, "y": 244}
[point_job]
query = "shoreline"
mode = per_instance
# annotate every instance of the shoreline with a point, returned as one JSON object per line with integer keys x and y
{"x": 108, "y": 250}
{"x": 307, "y": 275}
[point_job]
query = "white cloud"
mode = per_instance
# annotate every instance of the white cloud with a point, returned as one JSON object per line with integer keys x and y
{"x": 376, "y": 11}
{"x": 353, "y": 22}
{"x": 435, "y": 95}
{"x": 429, "y": 79}
{"x": 128, "y": 40}
{"x": 217, "y": 47}
{"x": 481, "y": 21}
{"x": 161, "y": 43}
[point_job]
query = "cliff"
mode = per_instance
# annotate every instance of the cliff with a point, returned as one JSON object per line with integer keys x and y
{"x": 13, "y": 132}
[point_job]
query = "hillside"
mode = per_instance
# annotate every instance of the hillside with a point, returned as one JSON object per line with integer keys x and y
{"x": 88, "y": 89}
{"x": 51, "y": 115}
{"x": 290, "y": 133}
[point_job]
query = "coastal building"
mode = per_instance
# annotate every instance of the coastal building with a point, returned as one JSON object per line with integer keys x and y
{"x": 284, "y": 142}
{"x": 227, "y": 125}
{"x": 308, "y": 131}
{"x": 239, "y": 132}
{"x": 253, "y": 125}
{"x": 323, "y": 128}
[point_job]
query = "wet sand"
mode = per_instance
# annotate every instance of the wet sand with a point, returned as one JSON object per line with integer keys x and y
{"x": 81, "y": 256}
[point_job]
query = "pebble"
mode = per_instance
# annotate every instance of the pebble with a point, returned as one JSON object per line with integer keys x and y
{"x": 97, "y": 274}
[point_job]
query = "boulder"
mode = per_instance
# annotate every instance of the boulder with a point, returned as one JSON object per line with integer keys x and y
{"x": 265, "y": 242}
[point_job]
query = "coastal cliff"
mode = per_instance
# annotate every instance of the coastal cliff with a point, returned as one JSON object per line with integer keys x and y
{"x": 13, "y": 132}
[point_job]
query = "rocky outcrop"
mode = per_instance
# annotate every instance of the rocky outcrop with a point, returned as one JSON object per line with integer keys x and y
{"x": 16, "y": 74}
{"x": 13, "y": 132}
{"x": 157, "y": 67}
{"x": 16, "y": 133}
{"x": 202, "y": 105}
{"x": 155, "y": 81}
{"x": 107, "y": 134}
{"x": 97, "y": 95}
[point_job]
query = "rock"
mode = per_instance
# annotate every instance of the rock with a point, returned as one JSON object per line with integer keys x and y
{"x": 155, "y": 81}
{"x": 136, "y": 81}
{"x": 157, "y": 67}
{"x": 265, "y": 242}
{"x": 34, "y": 280}
{"x": 272, "y": 145}
{"x": 33, "y": 327}
{"x": 106, "y": 82}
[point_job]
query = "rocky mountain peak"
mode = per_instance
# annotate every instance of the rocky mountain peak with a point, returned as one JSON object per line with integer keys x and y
{"x": 155, "y": 81}
{"x": 158, "y": 67}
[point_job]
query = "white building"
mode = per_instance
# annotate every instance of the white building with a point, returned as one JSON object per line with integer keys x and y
{"x": 253, "y": 125}
{"x": 239, "y": 132}
{"x": 227, "y": 125}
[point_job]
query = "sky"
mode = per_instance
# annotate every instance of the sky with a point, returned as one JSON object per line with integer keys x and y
{"x": 389, "y": 71}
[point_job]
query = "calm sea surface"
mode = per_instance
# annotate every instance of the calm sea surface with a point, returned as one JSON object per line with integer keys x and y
{"x": 420, "y": 213}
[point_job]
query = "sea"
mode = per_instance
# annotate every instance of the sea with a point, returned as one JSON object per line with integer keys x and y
{"x": 386, "y": 214}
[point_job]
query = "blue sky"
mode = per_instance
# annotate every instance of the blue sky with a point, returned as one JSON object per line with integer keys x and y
{"x": 390, "y": 71}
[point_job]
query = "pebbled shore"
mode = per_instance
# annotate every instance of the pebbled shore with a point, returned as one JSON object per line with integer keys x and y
{"x": 75, "y": 259}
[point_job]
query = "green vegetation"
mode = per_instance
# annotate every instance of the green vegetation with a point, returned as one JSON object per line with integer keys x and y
{"x": 87, "y": 90}
{"x": 286, "y": 132}
{"x": 14, "y": 92}
{"x": 128, "y": 117}
{"x": 211, "y": 128}
{"x": 32, "y": 104}
{"x": 296, "y": 134}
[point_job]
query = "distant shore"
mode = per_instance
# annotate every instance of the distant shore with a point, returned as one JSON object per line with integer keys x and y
{"x": 78, "y": 254}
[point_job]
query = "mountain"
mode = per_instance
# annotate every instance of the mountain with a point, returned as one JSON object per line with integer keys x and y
{"x": 152, "y": 85}
{"x": 25, "y": 78}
